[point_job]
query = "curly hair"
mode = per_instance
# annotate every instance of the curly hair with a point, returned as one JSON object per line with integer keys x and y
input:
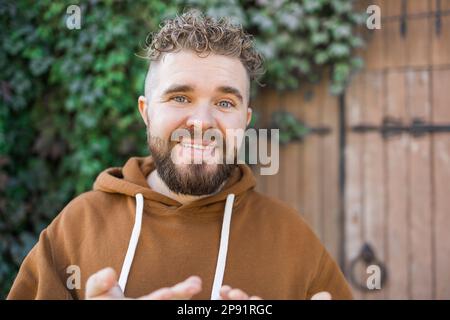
{"x": 194, "y": 31}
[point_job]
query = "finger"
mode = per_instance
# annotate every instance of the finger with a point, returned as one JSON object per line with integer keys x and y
{"x": 237, "y": 294}
{"x": 187, "y": 288}
{"x": 182, "y": 290}
{"x": 160, "y": 294}
{"x": 101, "y": 282}
{"x": 323, "y": 295}
{"x": 224, "y": 292}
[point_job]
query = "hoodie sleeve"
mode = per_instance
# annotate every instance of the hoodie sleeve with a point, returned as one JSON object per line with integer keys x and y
{"x": 38, "y": 277}
{"x": 330, "y": 278}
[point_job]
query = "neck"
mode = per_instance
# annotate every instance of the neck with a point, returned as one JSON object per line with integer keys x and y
{"x": 157, "y": 184}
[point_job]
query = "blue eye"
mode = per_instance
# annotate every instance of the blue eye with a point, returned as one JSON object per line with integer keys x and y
{"x": 180, "y": 99}
{"x": 226, "y": 104}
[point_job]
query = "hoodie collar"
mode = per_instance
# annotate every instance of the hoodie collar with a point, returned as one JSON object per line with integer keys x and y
{"x": 132, "y": 179}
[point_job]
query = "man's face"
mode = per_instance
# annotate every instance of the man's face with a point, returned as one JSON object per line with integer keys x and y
{"x": 186, "y": 93}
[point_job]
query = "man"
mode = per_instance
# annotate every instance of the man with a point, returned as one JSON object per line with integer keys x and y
{"x": 184, "y": 216}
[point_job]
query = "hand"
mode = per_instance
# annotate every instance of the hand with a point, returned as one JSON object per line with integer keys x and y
{"x": 323, "y": 295}
{"x": 103, "y": 286}
{"x": 228, "y": 293}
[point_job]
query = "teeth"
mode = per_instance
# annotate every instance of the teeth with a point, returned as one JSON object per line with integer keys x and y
{"x": 195, "y": 146}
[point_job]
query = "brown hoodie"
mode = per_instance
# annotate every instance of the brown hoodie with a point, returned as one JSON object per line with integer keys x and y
{"x": 272, "y": 253}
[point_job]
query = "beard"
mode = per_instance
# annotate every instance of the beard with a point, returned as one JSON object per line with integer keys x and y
{"x": 188, "y": 179}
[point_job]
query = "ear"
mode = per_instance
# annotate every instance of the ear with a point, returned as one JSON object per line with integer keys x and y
{"x": 142, "y": 105}
{"x": 249, "y": 115}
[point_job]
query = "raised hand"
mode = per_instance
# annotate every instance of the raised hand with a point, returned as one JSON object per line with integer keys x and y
{"x": 228, "y": 293}
{"x": 103, "y": 286}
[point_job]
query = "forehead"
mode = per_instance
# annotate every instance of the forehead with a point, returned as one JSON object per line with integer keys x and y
{"x": 203, "y": 73}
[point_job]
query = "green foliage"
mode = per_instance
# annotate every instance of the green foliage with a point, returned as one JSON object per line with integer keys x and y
{"x": 291, "y": 129}
{"x": 69, "y": 108}
{"x": 69, "y": 97}
{"x": 298, "y": 38}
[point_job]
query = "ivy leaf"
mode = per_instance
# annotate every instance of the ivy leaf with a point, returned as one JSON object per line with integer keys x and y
{"x": 321, "y": 57}
{"x": 339, "y": 50}
{"x": 319, "y": 38}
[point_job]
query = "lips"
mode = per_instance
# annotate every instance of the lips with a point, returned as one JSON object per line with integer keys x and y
{"x": 197, "y": 146}
{"x": 197, "y": 152}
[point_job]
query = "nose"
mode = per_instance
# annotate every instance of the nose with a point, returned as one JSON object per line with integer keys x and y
{"x": 201, "y": 118}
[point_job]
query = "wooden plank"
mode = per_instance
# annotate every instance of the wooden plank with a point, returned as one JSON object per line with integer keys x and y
{"x": 440, "y": 47}
{"x": 311, "y": 176}
{"x": 293, "y": 156}
{"x": 418, "y": 101}
{"x": 273, "y": 182}
{"x": 373, "y": 51}
{"x": 441, "y": 185}
{"x": 287, "y": 168}
{"x": 391, "y": 8}
{"x": 418, "y": 6}
{"x": 259, "y": 106}
{"x": 354, "y": 206}
{"x": 361, "y": 5}
{"x": 394, "y": 45}
{"x": 296, "y": 105}
{"x": 329, "y": 155}
{"x": 396, "y": 195}
{"x": 418, "y": 42}
{"x": 374, "y": 54}
{"x": 374, "y": 171}
{"x": 284, "y": 160}
{"x": 445, "y": 5}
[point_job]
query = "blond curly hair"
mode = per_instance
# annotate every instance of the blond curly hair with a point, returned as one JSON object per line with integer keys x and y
{"x": 194, "y": 31}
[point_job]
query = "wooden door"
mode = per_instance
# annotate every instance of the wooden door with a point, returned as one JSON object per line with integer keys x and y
{"x": 397, "y": 194}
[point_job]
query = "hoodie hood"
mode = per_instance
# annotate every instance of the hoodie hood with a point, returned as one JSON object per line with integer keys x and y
{"x": 132, "y": 179}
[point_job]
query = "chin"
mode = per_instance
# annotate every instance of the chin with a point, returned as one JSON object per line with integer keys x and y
{"x": 205, "y": 168}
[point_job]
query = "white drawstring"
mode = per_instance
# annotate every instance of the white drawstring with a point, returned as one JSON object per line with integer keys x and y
{"x": 222, "y": 257}
{"x": 133, "y": 242}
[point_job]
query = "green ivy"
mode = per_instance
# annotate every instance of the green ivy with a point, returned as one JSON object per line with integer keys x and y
{"x": 69, "y": 97}
{"x": 298, "y": 38}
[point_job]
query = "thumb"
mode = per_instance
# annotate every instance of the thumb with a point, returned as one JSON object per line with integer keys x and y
{"x": 323, "y": 295}
{"x": 103, "y": 282}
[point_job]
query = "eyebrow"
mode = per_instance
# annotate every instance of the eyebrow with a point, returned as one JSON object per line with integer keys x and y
{"x": 178, "y": 88}
{"x": 231, "y": 90}
{"x": 187, "y": 88}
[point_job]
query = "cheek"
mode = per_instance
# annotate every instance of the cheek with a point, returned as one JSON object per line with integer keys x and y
{"x": 233, "y": 122}
{"x": 164, "y": 122}
{"x": 236, "y": 120}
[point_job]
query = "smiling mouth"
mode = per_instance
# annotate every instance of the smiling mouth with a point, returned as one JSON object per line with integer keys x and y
{"x": 197, "y": 146}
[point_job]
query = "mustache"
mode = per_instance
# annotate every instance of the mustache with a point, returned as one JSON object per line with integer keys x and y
{"x": 195, "y": 134}
{"x": 188, "y": 133}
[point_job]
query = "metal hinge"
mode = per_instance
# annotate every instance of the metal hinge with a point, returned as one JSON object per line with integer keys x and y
{"x": 392, "y": 127}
